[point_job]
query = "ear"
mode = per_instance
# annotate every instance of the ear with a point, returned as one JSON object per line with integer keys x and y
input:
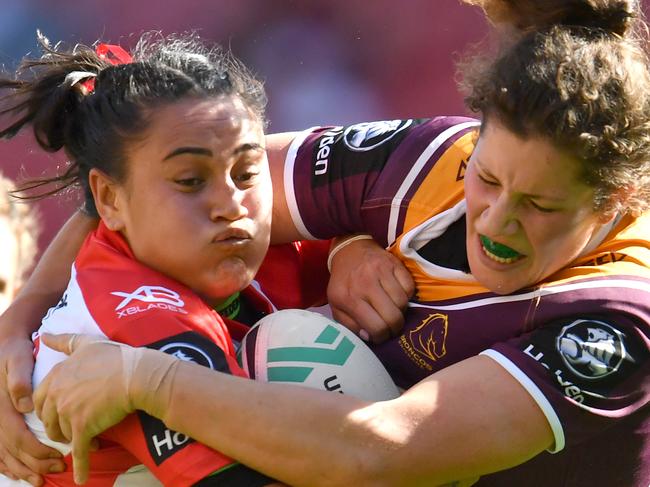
{"x": 106, "y": 193}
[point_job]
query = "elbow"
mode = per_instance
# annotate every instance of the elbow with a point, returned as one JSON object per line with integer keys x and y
{"x": 374, "y": 438}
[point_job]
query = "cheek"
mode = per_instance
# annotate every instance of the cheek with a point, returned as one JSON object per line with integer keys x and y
{"x": 259, "y": 202}
{"x": 473, "y": 196}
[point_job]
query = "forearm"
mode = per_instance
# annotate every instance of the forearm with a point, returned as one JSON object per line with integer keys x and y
{"x": 283, "y": 229}
{"x": 50, "y": 277}
{"x": 453, "y": 426}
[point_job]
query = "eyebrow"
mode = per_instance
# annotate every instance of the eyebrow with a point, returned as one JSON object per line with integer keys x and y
{"x": 528, "y": 195}
{"x": 202, "y": 151}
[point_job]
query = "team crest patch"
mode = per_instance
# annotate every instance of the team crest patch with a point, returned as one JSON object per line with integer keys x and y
{"x": 427, "y": 342}
{"x": 366, "y": 136}
{"x": 188, "y": 353}
{"x": 189, "y": 347}
{"x": 591, "y": 349}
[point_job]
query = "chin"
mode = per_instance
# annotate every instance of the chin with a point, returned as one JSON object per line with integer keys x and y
{"x": 498, "y": 284}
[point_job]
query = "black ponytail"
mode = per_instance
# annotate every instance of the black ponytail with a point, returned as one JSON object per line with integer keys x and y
{"x": 93, "y": 127}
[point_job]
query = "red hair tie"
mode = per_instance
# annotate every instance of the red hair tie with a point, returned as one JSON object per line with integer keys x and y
{"x": 108, "y": 52}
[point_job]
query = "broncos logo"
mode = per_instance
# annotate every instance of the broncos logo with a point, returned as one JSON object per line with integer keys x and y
{"x": 429, "y": 338}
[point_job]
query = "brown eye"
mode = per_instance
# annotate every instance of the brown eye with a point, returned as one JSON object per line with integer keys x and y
{"x": 189, "y": 182}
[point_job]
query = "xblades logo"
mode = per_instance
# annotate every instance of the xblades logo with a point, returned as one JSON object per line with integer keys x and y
{"x": 150, "y": 294}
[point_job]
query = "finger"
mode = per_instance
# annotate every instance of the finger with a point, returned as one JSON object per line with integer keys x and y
{"x": 4, "y": 470}
{"x": 386, "y": 321}
{"x": 19, "y": 368}
{"x": 41, "y": 392}
{"x": 375, "y": 310}
{"x": 393, "y": 290}
{"x": 64, "y": 342}
{"x": 16, "y": 470}
{"x": 369, "y": 320}
{"x": 51, "y": 421}
{"x": 405, "y": 279}
{"x": 80, "y": 452}
{"x": 346, "y": 320}
{"x": 18, "y": 441}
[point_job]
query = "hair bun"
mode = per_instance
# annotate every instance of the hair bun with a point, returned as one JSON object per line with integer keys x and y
{"x": 613, "y": 16}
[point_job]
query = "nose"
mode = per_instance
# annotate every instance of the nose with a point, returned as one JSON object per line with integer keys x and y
{"x": 226, "y": 201}
{"x": 500, "y": 217}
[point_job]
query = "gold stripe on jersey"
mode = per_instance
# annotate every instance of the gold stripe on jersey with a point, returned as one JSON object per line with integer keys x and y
{"x": 442, "y": 188}
{"x": 624, "y": 252}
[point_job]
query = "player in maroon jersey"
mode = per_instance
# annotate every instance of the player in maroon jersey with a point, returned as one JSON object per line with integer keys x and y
{"x": 528, "y": 245}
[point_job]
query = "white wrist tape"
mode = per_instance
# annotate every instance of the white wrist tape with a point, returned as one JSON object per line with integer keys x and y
{"x": 337, "y": 248}
{"x": 130, "y": 358}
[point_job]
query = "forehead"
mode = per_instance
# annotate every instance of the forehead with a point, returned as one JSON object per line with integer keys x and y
{"x": 200, "y": 122}
{"x": 531, "y": 164}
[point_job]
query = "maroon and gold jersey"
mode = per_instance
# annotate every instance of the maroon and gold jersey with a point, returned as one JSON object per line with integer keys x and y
{"x": 578, "y": 342}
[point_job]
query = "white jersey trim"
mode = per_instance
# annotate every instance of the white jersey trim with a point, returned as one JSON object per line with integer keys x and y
{"x": 289, "y": 189}
{"x": 537, "y": 395}
{"x": 415, "y": 170}
{"x": 598, "y": 283}
{"x": 422, "y": 234}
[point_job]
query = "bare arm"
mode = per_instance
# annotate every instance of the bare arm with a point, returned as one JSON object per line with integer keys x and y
{"x": 451, "y": 426}
{"x": 50, "y": 277}
{"x": 454, "y": 425}
{"x": 282, "y": 230}
{"x": 21, "y": 453}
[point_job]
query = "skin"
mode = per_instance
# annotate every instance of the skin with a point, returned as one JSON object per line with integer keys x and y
{"x": 208, "y": 195}
{"x": 9, "y": 267}
{"x": 527, "y": 195}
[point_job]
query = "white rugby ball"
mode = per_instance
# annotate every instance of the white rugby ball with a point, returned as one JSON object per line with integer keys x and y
{"x": 294, "y": 346}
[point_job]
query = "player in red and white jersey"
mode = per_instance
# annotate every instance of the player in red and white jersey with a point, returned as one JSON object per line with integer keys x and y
{"x": 185, "y": 226}
{"x": 114, "y": 296}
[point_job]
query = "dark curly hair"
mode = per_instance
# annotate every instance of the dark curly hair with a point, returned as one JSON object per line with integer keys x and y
{"x": 576, "y": 74}
{"x": 95, "y": 128}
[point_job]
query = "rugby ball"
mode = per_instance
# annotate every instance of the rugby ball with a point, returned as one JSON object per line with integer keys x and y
{"x": 304, "y": 348}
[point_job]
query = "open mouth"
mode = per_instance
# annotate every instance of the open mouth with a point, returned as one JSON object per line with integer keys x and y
{"x": 498, "y": 252}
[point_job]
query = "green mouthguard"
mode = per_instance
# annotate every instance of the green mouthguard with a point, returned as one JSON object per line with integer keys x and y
{"x": 498, "y": 249}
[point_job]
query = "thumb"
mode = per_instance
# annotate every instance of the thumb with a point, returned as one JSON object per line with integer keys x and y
{"x": 67, "y": 342}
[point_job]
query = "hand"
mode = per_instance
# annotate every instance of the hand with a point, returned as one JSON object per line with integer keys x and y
{"x": 22, "y": 456}
{"x": 84, "y": 395}
{"x": 369, "y": 289}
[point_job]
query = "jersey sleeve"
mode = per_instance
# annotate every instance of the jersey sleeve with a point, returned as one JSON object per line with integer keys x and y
{"x": 343, "y": 180}
{"x": 585, "y": 372}
{"x": 295, "y": 275}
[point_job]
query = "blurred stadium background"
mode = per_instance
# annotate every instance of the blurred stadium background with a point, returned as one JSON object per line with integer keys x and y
{"x": 323, "y": 61}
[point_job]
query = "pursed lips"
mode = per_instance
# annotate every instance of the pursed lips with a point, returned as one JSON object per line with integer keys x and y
{"x": 232, "y": 236}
